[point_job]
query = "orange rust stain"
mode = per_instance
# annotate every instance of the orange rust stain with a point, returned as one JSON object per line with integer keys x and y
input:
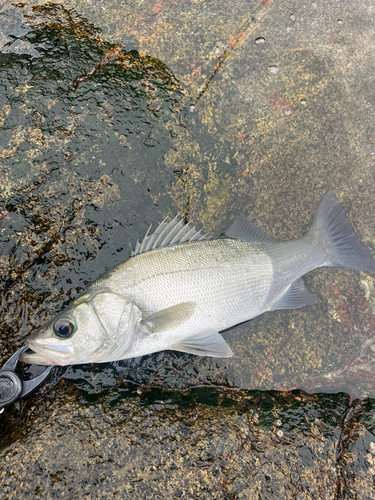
{"x": 335, "y": 289}
{"x": 149, "y": 40}
{"x": 71, "y": 156}
{"x": 157, "y": 7}
{"x": 242, "y": 137}
{"x": 266, "y": 2}
{"x": 4, "y": 214}
{"x": 232, "y": 42}
{"x": 355, "y": 315}
{"x": 112, "y": 54}
{"x": 314, "y": 362}
{"x": 280, "y": 103}
{"x": 203, "y": 60}
{"x": 196, "y": 73}
{"x": 240, "y": 36}
{"x": 335, "y": 39}
{"x": 245, "y": 173}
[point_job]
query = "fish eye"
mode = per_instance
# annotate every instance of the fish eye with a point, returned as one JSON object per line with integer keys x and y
{"x": 63, "y": 328}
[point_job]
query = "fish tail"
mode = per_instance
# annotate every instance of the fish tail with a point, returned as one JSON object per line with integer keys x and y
{"x": 344, "y": 248}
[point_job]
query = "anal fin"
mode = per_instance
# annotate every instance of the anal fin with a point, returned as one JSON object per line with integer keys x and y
{"x": 209, "y": 343}
{"x": 295, "y": 296}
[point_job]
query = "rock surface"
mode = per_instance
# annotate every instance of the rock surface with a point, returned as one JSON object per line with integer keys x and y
{"x": 116, "y": 114}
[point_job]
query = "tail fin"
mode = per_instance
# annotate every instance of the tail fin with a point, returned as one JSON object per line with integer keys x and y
{"x": 347, "y": 250}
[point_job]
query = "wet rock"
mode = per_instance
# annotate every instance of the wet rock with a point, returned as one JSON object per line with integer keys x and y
{"x": 150, "y": 449}
{"x": 226, "y": 444}
{"x": 194, "y": 37}
{"x": 90, "y": 128}
{"x": 222, "y": 153}
{"x": 79, "y": 144}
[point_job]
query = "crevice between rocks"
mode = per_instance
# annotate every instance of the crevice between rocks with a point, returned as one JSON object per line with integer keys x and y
{"x": 232, "y": 44}
{"x": 347, "y": 427}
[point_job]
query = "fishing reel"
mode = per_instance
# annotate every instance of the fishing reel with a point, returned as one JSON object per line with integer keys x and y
{"x": 12, "y": 386}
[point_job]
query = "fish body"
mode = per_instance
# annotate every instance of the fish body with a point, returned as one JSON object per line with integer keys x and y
{"x": 179, "y": 290}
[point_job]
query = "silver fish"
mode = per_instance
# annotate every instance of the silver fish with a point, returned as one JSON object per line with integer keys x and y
{"x": 179, "y": 289}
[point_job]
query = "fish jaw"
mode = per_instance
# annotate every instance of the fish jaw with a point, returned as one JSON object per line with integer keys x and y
{"x": 44, "y": 355}
{"x": 34, "y": 358}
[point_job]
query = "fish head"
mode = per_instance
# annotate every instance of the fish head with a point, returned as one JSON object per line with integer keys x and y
{"x": 92, "y": 329}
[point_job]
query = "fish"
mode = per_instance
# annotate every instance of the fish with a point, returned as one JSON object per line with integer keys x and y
{"x": 180, "y": 289}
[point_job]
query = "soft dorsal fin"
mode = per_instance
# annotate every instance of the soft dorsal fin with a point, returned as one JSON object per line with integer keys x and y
{"x": 168, "y": 233}
{"x": 242, "y": 229}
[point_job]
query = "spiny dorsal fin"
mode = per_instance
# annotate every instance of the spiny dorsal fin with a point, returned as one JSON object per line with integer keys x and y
{"x": 242, "y": 229}
{"x": 168, "y": 233}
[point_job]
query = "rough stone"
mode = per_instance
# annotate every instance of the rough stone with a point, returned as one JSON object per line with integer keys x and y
{"x": 256, "y": 107}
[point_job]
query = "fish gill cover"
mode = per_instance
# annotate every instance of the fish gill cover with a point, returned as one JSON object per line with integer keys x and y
{"x": 84, "y": 126}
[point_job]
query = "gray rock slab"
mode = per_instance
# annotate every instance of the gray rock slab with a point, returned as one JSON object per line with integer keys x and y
{"x": 274, "y": 107}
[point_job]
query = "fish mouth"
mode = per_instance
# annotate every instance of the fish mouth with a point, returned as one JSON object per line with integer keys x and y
{"x": 44, "y": 355}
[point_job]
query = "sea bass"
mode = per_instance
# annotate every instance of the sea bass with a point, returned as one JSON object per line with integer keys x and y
{"x": 180, "y": 289}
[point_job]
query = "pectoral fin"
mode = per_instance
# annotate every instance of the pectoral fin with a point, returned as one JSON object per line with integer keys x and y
{"x": 172, "y": 317}
{"x": 209, "y": 343}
